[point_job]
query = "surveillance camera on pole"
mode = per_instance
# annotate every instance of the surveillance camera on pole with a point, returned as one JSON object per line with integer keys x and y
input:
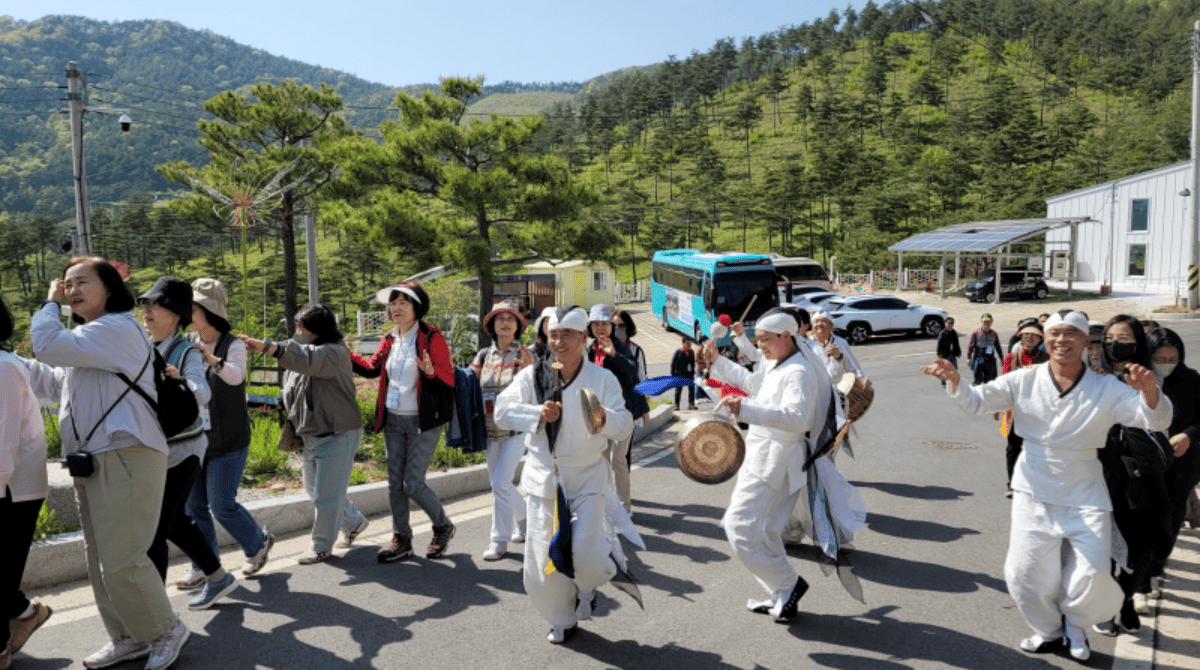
{"x": 126, "y": 122}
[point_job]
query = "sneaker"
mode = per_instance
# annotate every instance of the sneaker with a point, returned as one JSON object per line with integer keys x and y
{"x": 790, "y": 608}
{"x": 1077, "y": 640}
{"x": 353, "y": 535}
{"x": 440, "y": 541}
{"x": 759, "y": 606}
{"x": 213, "y": 590}
{"x": 692, "y": 407}
{"x": 193, "y": 581}
{"x": 401, "y": 547}
{"x": 1107, "y": 628}
{"x": 585, "y": 603}
{"x": 495, "y": 551}
{"x": 519, "y": 534}
{"x": 1141, "y": 604}
{"x": 1130, "y": 620}
{"x": 560, "y": 634}
{"x": 117, "y": 651}
{"x": 20, "y": 629}
{"x": 165, "y": 649}
{"x": 1037, "y": 644}
{"x": 311, "y": 557}
{"x": 256, "y": 562}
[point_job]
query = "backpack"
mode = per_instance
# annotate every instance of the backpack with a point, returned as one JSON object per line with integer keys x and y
{"x": 177, "y": 410}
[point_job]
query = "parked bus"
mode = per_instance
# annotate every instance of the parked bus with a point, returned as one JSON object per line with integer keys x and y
{"x": 690, "y": 290}
{"x": 798, "y": 270}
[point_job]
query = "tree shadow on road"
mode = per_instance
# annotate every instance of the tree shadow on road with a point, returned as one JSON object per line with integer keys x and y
{"x": 914, "y": 491}
{"x": 915, "y": 529}
{"x": 629, "y": 655}
{"x": 877, "y": 633}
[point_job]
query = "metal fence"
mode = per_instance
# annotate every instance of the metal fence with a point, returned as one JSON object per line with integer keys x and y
{"x": 370, "y": 322}
{"x": 636, "y": 292}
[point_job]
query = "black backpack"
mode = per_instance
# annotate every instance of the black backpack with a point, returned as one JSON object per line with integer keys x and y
{"x": 177, "y": 410}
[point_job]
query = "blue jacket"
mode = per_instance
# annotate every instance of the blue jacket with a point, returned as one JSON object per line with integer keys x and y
{"x": 624, "y": 367}
{"x": 467, "y": 429}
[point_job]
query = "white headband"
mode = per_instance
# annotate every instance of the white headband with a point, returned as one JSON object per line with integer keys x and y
{"x": 821, "y": 314}
{"x": 1074, "y": 319}
{"x": 384, "y": 294}
{"x": 777, "y": 323}
{"x": 569, "y": 318}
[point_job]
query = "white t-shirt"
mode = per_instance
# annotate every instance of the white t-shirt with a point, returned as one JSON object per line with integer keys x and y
{"x": 402, "y": 370}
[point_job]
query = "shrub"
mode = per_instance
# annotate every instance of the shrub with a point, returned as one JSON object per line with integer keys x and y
{"x": 48, "y": 525}
{"x": 453, "y": 457}
{"x": 265, "y": 460}
{"x": 359, "y": 476}
{"x": 53, "y": 437}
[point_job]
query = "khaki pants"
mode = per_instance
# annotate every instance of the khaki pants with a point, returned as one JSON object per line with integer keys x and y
{"x": 119, "y": 507}
{"x": 617, "y": 454}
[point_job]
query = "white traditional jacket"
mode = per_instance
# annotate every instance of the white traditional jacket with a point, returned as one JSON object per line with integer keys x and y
{"x": 1063, "y": 429}
{"x": 836, "y": 368}
{"x": 579, "y": 456}
{"x": 781, "y": 411}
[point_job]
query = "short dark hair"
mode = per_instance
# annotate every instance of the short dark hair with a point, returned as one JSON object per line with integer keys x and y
{"x": 802, "y": 316}
{"x": 222, "y": 325}
{"x": 420, "y": 309}
{"x": 6, "y": 325}
{"x": 627, "y": 323}
{"x": 686, "y": 339}
{"x": 1160, "y": 337}
{"x": 120, "y": 299}
{"x": 490, "y": 328}
{"x": 321, "y": 322}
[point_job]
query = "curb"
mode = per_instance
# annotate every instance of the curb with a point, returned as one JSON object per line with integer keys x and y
{"x": 62, "y": 559}
{"x": 1173, "y": 316}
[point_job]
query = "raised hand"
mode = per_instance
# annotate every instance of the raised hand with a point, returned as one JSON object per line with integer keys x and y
{"x": 425, "y": 363}
{"x": 943, "y": 370}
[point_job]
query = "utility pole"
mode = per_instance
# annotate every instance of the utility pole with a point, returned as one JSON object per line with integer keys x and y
{"x": 1193, "y": 301}
{"x": 75, "y": 99}
{"x": 310, "y": 245}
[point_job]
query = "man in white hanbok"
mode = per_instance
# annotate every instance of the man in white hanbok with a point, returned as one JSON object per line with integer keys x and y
{"x": 562, "y": 453}
{"x": 1057, "y": 568}
{"x": 833, "y": 350}
{"x": 781, "y": 411}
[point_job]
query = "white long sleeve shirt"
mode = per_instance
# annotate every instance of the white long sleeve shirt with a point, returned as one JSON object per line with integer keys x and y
{"x": 835, "y": 367}
{"x": 22, "y": 435}
{"x": 578, "y": 455}
{"x": 1063, "y": 429}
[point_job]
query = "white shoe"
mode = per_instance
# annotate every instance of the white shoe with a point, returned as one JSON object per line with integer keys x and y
{"x": 495, "y": 551}
{"x": 1141, "y": 604}
{"x": 585, "y": 603}
{"x": 560, "y": 634}
{"x": 1078, "y": 643}
{"x": 519, "y": 534}
{"x": 117, "y": 651}
{"x": 165, "y": 649}
{"x": 193, "y": 581}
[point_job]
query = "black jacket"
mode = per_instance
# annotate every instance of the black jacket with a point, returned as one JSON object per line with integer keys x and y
{"x": 947, "y": 344}
{"x": 683, "y": 364}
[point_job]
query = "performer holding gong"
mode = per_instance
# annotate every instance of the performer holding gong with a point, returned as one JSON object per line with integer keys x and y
{"x": 566, "y": 477}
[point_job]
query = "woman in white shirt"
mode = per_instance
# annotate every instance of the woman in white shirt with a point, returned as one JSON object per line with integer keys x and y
{"x": 22, "y": 491}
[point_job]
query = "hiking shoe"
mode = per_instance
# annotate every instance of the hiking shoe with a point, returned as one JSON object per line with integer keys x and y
{"x": 441, "y": 540}
{"x": 495, "y": 551}
{"x": 790, "y": 608}
{"x": 353, "y": 535}
{"x": 401, "y": 547}
{"x": 256, "y": 562}
{"x": 165, "y": 649}
{"x": 312, "y": 557}
{"x": 212, "y": 590}
{"x": 117, "y": 651}
{"x": 20, "y": 629}
{"x": 193, "y": 581}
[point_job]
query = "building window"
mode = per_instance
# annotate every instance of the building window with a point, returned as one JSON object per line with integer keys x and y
{"x": 1137, "y": 260}
{"x": 599, "y": 280}
{"x": 1139, "y": 215}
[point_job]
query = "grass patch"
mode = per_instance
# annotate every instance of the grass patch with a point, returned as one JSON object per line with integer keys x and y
{"x": 48, "y": 525}
{"x": 265, "y": 461}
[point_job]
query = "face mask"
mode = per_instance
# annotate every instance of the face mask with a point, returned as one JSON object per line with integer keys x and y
{"x": 1120, "y": 351}
{"x": 621, "y": 334}
{"x": 1165, "y": 369}
{"x": 302, "y": 339}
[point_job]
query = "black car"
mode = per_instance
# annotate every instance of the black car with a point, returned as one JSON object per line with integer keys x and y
{"x": 1016, "y": 282}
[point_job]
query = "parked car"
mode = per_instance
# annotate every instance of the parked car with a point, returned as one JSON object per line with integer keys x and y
{"x": 859, "y": 318}
{"x": 1015, "y": 282}
{"x": 798, "y": 289}
{"x": 811, "y": 301}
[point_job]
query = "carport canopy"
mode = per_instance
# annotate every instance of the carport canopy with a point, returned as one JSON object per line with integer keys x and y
{"x": 989, "y": 239}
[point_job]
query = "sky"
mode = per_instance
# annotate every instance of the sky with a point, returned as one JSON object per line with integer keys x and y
{"x": 404, "y": 42}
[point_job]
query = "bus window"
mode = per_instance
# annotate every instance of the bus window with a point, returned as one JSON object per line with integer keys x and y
{"x": 733, "y": 291}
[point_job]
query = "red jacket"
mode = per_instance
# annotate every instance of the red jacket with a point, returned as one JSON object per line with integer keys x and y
{"x": 430, "y": 414}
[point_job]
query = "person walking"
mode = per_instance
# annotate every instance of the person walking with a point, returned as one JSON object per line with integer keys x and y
{"x": 116, "y": 453}
{"x": 166, "y": 310}
{"x": 23, "y": 489}
{"x": 415, "y": 398}
{"x": 948, "y": 347}
{"x": 318, "y": 394}
{"x": 228, "y": 433}
{"x": 984, "y": 350}
{"x": 610, "y": 353}
{"x": 683, "y": 364}
{"x": 496, "y": 366}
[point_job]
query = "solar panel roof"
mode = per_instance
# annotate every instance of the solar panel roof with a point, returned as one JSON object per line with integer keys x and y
{"x": 979, "y": 236}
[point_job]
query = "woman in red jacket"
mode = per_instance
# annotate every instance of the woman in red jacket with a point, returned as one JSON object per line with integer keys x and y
{"x": 416, "y": 386}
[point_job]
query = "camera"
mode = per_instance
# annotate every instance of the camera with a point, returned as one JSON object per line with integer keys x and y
{"x": 80, "y": 464}
{"x": 126, "y": 123}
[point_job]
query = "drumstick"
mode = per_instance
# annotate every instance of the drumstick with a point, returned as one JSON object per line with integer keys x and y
{"x": 752, "y": 299}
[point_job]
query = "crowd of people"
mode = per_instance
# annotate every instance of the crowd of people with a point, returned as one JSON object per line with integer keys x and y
{"x": 1098, "y": 419}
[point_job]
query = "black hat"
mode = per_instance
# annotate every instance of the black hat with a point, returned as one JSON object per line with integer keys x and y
{"x": 173, "y": 295}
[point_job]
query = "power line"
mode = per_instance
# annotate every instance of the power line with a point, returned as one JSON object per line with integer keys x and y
{"x": 158, "y": 100}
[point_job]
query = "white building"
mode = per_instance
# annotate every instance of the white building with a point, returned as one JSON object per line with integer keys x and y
{"x": 1141, "y": 242}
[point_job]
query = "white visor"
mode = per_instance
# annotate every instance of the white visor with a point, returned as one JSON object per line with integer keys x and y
{"x": 383, "y": 295}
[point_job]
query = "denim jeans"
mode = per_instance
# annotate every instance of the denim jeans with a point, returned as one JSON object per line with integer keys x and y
{"x": 408, "y": 454}
{"x": 215, "y": 494}
{"x": 327, "y": 465}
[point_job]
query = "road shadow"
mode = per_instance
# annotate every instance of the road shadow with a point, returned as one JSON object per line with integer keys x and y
{"x": 876, "y": 632}
{"x": 686, "y": 519}
{"x": 916, "y": 529}
{"x": 629, "y": 655}
{"x": 914, "y": 491}
{"x": 903, "y": 573}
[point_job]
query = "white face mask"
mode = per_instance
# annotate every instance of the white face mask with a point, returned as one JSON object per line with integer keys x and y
{"x": 1165, "y": 369}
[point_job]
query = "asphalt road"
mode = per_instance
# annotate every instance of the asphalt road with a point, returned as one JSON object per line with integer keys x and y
{"x": 930, "y": 560}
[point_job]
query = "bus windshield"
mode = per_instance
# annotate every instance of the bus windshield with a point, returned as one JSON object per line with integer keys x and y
{"x": 732, "y": 292}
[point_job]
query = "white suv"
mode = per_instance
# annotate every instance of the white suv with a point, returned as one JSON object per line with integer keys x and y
{"x": 858, "y": 318}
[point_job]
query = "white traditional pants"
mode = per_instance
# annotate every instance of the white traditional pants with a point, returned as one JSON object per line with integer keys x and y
{"x": 553, "y": 595}
{"x": 754, "y": 524}
{"x": 508, "y": 508}
{"x": 1058, "y": 565}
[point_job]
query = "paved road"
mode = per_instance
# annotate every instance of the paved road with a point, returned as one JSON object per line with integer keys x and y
{"x": 930, "y": 560}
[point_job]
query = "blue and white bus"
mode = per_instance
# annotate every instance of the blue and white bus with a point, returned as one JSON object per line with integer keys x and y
{"x": 690, "y": 290}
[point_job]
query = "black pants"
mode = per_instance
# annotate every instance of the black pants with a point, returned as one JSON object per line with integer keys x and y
{"x": 691, "y": 395}
{"x": 18, "y": 520}
{"x": 175, "y": 525}
{"x": 1182, "y": 479}
{"x": 1012, "y": 451}
{"x": 1145, "y": 532}
{"x": 986, "y": 370}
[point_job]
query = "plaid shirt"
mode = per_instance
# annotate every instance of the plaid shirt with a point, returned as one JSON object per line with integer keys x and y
{"x": 496, "y": 370}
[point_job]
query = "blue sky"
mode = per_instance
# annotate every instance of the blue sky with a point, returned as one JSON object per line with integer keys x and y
{"x": 406, "y": 42}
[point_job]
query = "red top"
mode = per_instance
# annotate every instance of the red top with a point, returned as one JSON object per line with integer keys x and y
{"x": 428, "y": 339}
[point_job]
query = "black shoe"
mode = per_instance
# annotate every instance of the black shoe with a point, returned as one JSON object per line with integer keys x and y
{"x": 401, "y": 547}
{"x": 1130, "y": 620}
{"x": 1107, "y": 628}
{"x": 791, "y": 607}
{"x": 441, "y": 540}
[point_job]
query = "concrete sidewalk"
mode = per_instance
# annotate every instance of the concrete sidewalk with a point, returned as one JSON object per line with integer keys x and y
{"x": 1170, "y": 637}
